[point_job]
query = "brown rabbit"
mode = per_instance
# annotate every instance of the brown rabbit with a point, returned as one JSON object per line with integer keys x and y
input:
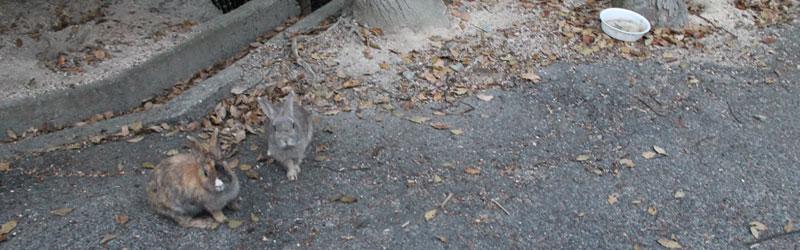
{"x": 185, "y": 185}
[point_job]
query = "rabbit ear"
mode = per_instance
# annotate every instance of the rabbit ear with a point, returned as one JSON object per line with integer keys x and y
{"x": 213, "y": 145}
{"x": 267, "y": 108}
{"x": 196, "y": 148}
{"x": 288, "y": 105}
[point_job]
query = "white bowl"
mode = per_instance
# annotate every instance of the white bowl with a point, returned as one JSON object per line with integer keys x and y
{"x": 624, "y": 24}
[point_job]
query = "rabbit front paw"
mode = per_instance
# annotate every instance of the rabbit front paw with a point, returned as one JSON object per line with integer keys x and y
{"x": 218, "y": 216}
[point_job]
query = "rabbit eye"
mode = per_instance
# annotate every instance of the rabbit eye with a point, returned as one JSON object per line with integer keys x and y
{"x": 205, "y": 173}
{"x": 293, "y": 126}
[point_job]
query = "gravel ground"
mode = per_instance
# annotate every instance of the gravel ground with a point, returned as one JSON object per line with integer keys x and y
{"x": 731, "y": 142}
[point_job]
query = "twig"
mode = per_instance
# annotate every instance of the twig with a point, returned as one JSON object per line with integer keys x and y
{"x": 733, "y": 114}
{"x": 470, "y": 109}
{"x": 715, "y": 26}
{"x": 446, "y": 200}
{"x": 501, "y": 207}
{"x": 648, "y": 106}
{"x": 302, "y": 62}
{"x": 771, "y": 237}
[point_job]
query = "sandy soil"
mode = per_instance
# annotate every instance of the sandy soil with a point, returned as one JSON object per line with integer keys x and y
{"x": 50, "y": 45}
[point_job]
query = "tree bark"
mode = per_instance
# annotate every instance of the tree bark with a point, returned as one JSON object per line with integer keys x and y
{"x": 394, "y": 15}
{"x": 660, "y": 13}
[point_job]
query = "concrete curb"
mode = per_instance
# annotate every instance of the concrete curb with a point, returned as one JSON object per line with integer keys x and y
{"x": 190, "y": 105}
{"x": 220, "y": 38}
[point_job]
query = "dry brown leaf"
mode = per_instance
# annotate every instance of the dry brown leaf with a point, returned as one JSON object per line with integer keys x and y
{"x": 3, "y": 238}
{"x": 660, "y": 150}
{"x": 457, "y": 131}
{"x": 756, "y": 228}
{"x": 430, "y": 215}
{"x": 62, "y": 211}
{"x": 472, "y": 171}
{"x": 637, "y": 246}
{"x": 679, "y": 194}
{"x": 5, "y": 166}
{"x": 440, "y": 125}
{"x": 530, "y": 76}
{"x": 148, "y": 165}
{"x": 252, "y": 174}
{"x": 788, "y": 227}
{"x": 11, "y": 134}
{"x": 108, "y": 237}
{"x": 234, "y": 163}
{"x": 649, "y": 154}
{"x": 254, "y": 218}
{"x": 671, "y": 244}
{"x": 348, "y": 237}
{"x": 384, "y": 66}
{"x": 652, "y": 210}
{"x": 121, "y": 218}
{"x": 344, "y": 199}
{"x": 436, "y": 178}
{"x": 612, "y": 199}
{"x": 136, "y": 126}
{"x": 583, "y": 157}
{"x": 320, "y": 158}
{"x": 332, "y": 112}
{"x": 419, "y": 119}
{"x": 234, "y": 223}
{"x": 442, "y": 239}
{"x": 237, "y": 90}
{"x": 245, "y": 167}
{"x": 8, "y": 226}
{"x": 484, "y": 97}
{"x": 627, "y": 162}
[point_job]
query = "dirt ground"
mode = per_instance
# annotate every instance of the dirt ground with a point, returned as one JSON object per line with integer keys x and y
{"x": 50, "y": 45}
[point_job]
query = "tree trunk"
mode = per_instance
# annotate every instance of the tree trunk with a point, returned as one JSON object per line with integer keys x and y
{"x": 660, "y": 13}
{"x": 393, "y": 15}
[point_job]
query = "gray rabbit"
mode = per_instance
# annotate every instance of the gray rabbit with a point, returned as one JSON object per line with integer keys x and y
{"x": 289, "y": 131}
{"x": 186, "y": 185}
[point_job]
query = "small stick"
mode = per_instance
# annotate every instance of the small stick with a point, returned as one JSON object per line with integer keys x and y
{"x": 733, "y": 114}
{"x": 715, "y": 26}
{"x": 446, "y": 200}
{"x": 501, "y": 206}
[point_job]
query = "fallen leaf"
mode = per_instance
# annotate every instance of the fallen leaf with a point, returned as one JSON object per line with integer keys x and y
{"x": 440, "y": 125}
{"x": 245, "y": 167}
{"x": 457, "y": 131}
{"x": 383, "y": 66}
{"x": 253, "y": 147}
{"x": 612, "y": 199}
{"x": 8, "y": 226}
{"x": 332, "y": 112}
{"x": 436, "y": 178}
{"x": 788, "y": 227}
{"x": 252, "y": 174}
{"x": 652, "y": 210}
{"x": 769, "y": 40}
{"x": 3, "y": 238}
{"x": 583, "y": 157}
{"x": 172, "y": 152}
{"x": 348, "y": 237}
{"x": 99, "y": 54}
{"x": 472, "y": 171}
{"x": 5, "y": 166}
{"x": 62, "y": 211}
{"x": 11, "y": 134}
{"x": 530, "y": 76}
{"x": 254, "y": 218}
{"x": 238, "y": 90}
{"x": 320, "y": 158}
{"x": 756, "y": 228}
{"x": 419, "y": 119}
{"x": 484, "y": 97}
{"x": 671, "y": 244}
{"x": 679, "y": 194}
{"x": 345, "y": 199}
{"x": 442, "y": 239}
{"x": 430, "y": 215}
{"x": 637, "y": 246}
{"x": 627, "y": 162}
{"x": 121, "y": 218}
{"x": 660, "y": 150}
{"x": 96, "y": 139}
{"x": 234, "y": 223}
{"x": 107, "y": 238}
{"x": 136, "y": 126}
{"x": 649, "y": 154}
{"x": 148, "y": 165}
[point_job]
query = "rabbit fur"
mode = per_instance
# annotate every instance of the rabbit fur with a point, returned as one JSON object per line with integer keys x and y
{"x": 188, "y": 184}
{"x": 288, "y": 130}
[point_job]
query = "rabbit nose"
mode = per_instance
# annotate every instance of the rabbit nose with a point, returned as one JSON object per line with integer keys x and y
{"x": 291, "y": 142}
